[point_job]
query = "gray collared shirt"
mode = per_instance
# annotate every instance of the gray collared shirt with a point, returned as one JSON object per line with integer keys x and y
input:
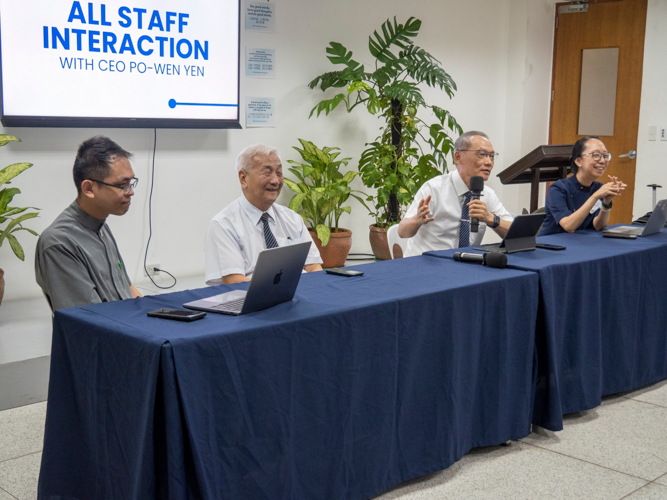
{"x": 77, "y": 261}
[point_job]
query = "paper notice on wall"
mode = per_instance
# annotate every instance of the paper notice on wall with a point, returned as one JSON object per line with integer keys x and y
{"x": 260, "y": 63}
{"x": 259, "y": 112}
{"x": 260, "y": 16}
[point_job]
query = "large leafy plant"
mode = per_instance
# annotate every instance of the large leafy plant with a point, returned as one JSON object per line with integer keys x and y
{"x": 409, "y": 151}
{"x": 321, "y": 190}
{"x": 12, "y": 218}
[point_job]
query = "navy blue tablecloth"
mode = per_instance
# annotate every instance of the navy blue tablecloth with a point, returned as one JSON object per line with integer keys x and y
{"x": 602, "y": 327}
{"x": 355, "y": 386}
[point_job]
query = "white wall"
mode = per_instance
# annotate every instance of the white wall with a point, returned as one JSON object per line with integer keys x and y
{"x": 497, "y": 51}
{"x": 652, "y": 155}
{"x": 530, "y": 50}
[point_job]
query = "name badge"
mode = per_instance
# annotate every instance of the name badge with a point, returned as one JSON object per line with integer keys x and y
{"x": 597, "y": 205}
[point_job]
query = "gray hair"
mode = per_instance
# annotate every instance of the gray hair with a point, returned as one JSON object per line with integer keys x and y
{"x": 463, "y": 142}
{"x": 245, "y": 158}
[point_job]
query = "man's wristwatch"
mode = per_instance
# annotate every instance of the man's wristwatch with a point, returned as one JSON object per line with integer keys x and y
{"x": 605, "y": 207}
{"x": 496, "y": 222}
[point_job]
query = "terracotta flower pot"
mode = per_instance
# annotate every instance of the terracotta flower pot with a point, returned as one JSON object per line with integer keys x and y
{"x": 335, "y": 253}
{"x": 378, "y": 237}
{"x": 2, "y": 284}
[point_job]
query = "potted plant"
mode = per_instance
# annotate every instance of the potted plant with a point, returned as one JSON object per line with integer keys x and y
{"x": 321, "y": 192}
{"x": 409, "y": 151}
{"x": 12, "y": 218}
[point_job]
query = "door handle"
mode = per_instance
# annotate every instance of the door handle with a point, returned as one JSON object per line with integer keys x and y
{"x": 632, "y": 155}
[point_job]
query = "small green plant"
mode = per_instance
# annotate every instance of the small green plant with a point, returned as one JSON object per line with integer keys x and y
{"x": 322, "y": 189}
{"x": 409, "y": 151}
{"x": 13, "y": 217}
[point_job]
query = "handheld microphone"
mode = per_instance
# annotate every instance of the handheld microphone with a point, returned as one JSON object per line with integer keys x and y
{"x": 491, "y": 259}
{"x": 476, "y": 188}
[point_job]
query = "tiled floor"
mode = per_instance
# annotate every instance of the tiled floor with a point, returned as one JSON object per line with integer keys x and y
{"x": 618, "y": 450}
{"x": 21, "y": 439}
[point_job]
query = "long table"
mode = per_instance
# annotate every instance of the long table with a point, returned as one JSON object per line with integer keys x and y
{"x": 602, "y": 326}
{"x": 355, "y": 386}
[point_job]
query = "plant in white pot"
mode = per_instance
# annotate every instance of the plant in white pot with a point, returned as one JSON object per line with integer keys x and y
{"x": 321, "y": 192}
{"x": 12, "y": 218}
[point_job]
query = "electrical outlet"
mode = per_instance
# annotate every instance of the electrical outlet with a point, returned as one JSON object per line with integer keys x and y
{"x": 663, "y": 134}
{"x": 151, "y": 269}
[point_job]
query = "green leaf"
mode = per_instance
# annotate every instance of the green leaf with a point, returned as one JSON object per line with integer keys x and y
{"x": 423, "y": 67}
{"x": 4, "y": 139}
{"x": 293, "y": 186}
{"x": 327, "y": 105}
{"x": 16, "y": 210}
{"x": 35, "y": 233}
{"x": 18, "y": 249}
{"x": 323, "y": 233}
{"x": 358, "y": 87}
{"x": 445, "y": 116}
{"x": 6, "y": 196}
{"x": 415, "y": 53}
{"x": 349, "y": 74}
{"x": 15, "y": 223}
{"x": 392, "y": 34}
{"x": 296, "y": 201}
{"x": 347, "y": 178}
{"x": 8, "y": 173}
{"x": 406, "y": 92}
{"x": 384, "y": 74}
{"x": 340, "y": 55}
{"x": 296, "y": 173}
{"x": 327, "y": 80}
{"x": 362, "y": 201}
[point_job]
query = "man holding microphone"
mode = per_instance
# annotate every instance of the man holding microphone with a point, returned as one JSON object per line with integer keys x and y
{"x": 439, "y": 217}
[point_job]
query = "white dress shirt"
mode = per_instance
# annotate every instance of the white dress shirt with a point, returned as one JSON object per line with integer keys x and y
{"x": 447, "y": 195}
{"x": 235, "y": 236}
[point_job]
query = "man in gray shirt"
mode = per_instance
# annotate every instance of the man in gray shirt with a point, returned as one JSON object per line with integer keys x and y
{"x": 77, "y": 261}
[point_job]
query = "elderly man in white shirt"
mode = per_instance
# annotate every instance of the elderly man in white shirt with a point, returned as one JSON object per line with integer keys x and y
{"x": 253, "y": 222}
{"x": 436, "y": 220}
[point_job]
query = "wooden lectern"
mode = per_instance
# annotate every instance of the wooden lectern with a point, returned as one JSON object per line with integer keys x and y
{"x": 543, "y": 164}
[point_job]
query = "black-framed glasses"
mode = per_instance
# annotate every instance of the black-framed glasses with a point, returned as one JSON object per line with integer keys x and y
{"x": 598, "y": 156}
{"x": 482, "y": 153}
{"x": 125, "y": 187}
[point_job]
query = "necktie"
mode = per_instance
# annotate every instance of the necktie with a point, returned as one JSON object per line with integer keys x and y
{"x": 464, "y": 232}
{"x": 268, "y": 235}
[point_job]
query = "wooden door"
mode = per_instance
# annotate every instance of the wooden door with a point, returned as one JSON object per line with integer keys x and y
{"x": 607, "y": 24}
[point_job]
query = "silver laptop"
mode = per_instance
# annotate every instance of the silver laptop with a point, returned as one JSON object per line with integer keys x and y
{"x": 655, "y": 223}
{"x": 274, "y": 281}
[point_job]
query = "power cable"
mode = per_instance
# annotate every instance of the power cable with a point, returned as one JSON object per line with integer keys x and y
{"x": 150, "y": 222}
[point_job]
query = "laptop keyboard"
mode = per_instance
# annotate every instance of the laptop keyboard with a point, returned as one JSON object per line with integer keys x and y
{"x": 233, "y": 306}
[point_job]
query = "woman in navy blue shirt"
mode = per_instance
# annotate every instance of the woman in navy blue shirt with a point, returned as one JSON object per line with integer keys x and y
{"x": 580, "y": 202}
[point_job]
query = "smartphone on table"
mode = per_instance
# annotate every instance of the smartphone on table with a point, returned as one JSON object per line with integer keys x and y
{"x": 177, "y": 314}
{"x": 339, "y": 271}
{"x": 548, "y": 246}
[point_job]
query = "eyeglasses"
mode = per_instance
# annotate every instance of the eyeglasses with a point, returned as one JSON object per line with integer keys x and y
{"x": 126, "y": 187}
{"x": 482, "y": 153}
{"x": 597, "y": 156}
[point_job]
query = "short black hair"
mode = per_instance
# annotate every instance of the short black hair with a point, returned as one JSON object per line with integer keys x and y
{"x": 93, "y": 159}
{"x": 578, "y": 149}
